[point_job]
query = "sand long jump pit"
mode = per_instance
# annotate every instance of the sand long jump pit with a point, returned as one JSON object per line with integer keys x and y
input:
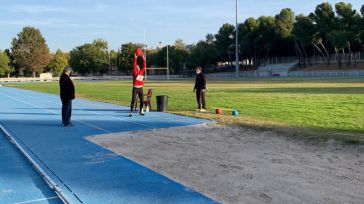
{"x": 242, "y": 165}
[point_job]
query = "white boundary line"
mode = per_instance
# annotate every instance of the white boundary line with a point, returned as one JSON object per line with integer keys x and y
{"x": 49, "y": 181}
{"x": 107, "y": 131}
{"x": 41, "y": 172}
{"x": 36, "y": 200}
{"x": 92, "y": 103}
{"x": 50, "y": 111}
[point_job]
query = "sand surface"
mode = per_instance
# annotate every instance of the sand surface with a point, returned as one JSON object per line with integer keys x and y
{"x": 242, "y": 165}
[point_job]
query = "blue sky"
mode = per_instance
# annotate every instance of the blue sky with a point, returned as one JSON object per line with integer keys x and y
{"x": 69, "y": 23}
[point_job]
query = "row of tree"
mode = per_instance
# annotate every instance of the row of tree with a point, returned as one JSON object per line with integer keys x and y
{"x": 327, "y": 30}
{"x": 324, "y": 31}
{"x": 30, "y": 55}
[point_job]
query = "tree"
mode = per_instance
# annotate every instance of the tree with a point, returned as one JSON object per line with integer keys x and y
{"x": 346, "y": 16}
{"x": 30, "y": 51}
{"x": 340, "y": 40}
{"x": 114, "y": 60}
{"x": 348, "y": 20}
{"x": 179, "y": 44}
{"x": 265, "y": 36}
{"x": 284, "y": 22}
{"x": 283, "y": 43}
{"x": 361, "y": 28}
{"x": 177, "y": 57}
{"x": 5, "y": 68}
{"x": 12, "y": 62}
{"x": 248, "y": 33}
{"x": 324, "y": 17}
{"x": 90, "y": 58}
{"x": 180, "y": 56}
{"x": 210, "y": 39}
{"x": 361, "y": 38}
{"x": 203, "y": 54}
{"x": 303, "y": 32}
{"x": 225, "y": 42}
{"x": 126, "y": 56}
{"x": 58, "y": 62}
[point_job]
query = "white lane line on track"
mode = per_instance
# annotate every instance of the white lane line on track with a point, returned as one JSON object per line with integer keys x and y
{"x": 36, "y": 200}
{"x": 114, "y": 117}
{"x": 105, "y": 116}
{"x": 50, "y": 111}
{"x": 33, "y": 97}
{"x": 91, "y": 103}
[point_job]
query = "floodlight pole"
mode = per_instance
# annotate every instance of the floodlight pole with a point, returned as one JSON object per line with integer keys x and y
{"x": 109, "y": 53}
{"x": 167, "y": 61}
{"x": 145, "y": 53}
{"x": 237, "y": 41}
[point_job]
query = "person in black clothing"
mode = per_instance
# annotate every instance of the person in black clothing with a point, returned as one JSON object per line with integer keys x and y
{"x": 200, "y": 89}
{"x": 67, "y": 92}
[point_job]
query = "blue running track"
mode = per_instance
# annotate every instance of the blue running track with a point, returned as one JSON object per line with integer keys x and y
{"x": 83, "y": 171}
{"x": 19, "y": 182}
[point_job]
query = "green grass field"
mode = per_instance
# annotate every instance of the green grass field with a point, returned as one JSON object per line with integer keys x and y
{"x": 335, "y": 105}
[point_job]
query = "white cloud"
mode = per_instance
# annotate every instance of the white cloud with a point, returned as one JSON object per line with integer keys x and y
{"x": 34, "y": 22}
{"x": 39, "y": 8}
{"x": 33, "y": 9}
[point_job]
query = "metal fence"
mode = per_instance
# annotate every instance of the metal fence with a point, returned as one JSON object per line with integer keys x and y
{"x": 331, "y": 74}
{"x": 354, "y": 57}
{"x": 358, "y": 57}
{"x": 280, "y": 60}
{"x": 242, "y": 74}
{"x": 256, "y": 74}
{"x": 93, "y": 78}
{"x": 251, "y": 74}
{"x": 150, "y": 77}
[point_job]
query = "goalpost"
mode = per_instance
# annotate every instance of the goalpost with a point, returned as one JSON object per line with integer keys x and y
{"x": 145, "y": 55}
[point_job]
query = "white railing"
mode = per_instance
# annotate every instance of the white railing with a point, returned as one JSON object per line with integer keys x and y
{"x": 25, "y": 79}
{"x": 242, "y": 74}
{"x": 150, "y": 77}
{"x": 90, "y": 78}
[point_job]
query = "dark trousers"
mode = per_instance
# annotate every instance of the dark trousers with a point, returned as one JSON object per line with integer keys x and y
{"x": 137, "y": 92}
{"x": 66, "y": 111}
{"x": 201, "y": 98}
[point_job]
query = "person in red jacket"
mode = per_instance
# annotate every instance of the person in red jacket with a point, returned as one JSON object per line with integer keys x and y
{"x": 139, "y": 67}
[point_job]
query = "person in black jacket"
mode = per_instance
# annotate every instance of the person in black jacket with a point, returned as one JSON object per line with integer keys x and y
{"x": 200, "y": 89}
{"x": 67, "y": 92}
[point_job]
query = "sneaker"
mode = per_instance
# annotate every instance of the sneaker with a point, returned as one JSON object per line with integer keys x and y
{"x": 130, "y": 114}
{"x": 141, "y": 113}
{"x": 203, "y": 110}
